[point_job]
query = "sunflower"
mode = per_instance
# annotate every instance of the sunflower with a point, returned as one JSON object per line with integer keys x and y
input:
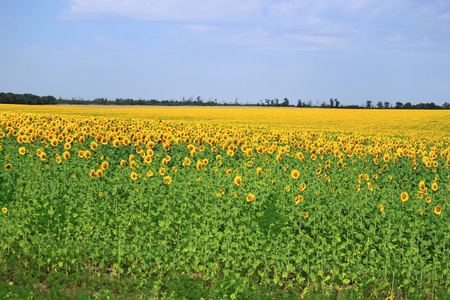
{"x": 150, "y": 173}
{"x": 94, "y": 146}
{"x": 421, "y": 211}
{"x": 22, "y": 150}
{"x": 199, "y": 164}
{"x": 116, "y": 143}
{"x": 99, "y": 173}
{"x": 92, "y": 173}
{"x": 167, "y": 180}
{"x": 369, "y": 186}
{"x": 147, "y": 159}
{"x": 162, "y": 171}
{"x": 4, "y": 210}
{"x": 250, "y": 197}
{"x": 67, "y": 146}
{"x": 87, "y": 154}
{"x": 66, "y": 155}
{"x": 305, "y": 215}
{"x": 434, "y": 186}
{"x": 381, "y": 207}
{"x": 298, "y": 199}
{"x": 258, "y": 171}
{"x": 164, "y": 162}
{"x": 105, "y": 165}
{"x": 123, "y": 163}
{"x": 404, "y": 196}
{"x": 302, "y": 187}
{"x": 238, "y": 180}
{"x": 422, "y": 185}
{"x": 81, "y": 153}
{"x": 54, "y": 142}
{"x": 295, "y": 174}
{"x": 133, "y": 175}
{"x": 438, "y": 210}
{"x": 428, "y": 199}
{"x": 43, "y": 156}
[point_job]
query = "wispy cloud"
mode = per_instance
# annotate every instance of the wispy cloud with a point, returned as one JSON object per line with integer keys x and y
{"x": 397, "y": 38}
{"x": 279, "y": 24}
{"x": 165, "y": 10}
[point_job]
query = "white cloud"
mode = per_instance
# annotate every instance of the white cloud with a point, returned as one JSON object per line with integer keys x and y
{"x": 165, "y": 10}
{"x": 396, "y": 38}
{"x": 444, "y": 17}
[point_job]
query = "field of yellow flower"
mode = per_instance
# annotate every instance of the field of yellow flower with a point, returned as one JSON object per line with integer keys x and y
{"x": 304, "y": 199}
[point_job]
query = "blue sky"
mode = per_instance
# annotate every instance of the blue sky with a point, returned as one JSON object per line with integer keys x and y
{"x": 354, "y": 50}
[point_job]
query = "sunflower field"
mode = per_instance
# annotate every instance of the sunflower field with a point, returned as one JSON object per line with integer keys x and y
{"x": 308, "y": 200}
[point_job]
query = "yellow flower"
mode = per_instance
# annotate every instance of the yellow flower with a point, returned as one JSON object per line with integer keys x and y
{"x": 105, "y": 165}
{"x": 250, "y": 197}
{"x": 381, "y": 207}
{"x": 167, "y": 180}
{"x": 298, "y": 199}
{"x": 404, "y": 196}
{"x": 238, "y": 180}
{"x": 295, "y": 174}
{"x": 4, "y": 210}
{"x": 438, "y": 210}
{"x": 434, "y": 186}
{"x": 8, "y": 167}
{"x": 162, "y": 171}
{"x": 22, "y": 150}
{"x": 305, "y": 215}
{"x": 133, "y": 175}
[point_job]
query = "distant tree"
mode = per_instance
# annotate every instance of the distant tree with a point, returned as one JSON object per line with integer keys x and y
{"x": 369, "y": 104}
{"x": 407, "y": 105}
{"x": 336, "y": 103}
{"x": 277, "y": 101}
{"x": 398, "y": 105}
{"x": 299, "y": 103}
{"x": 380, "y": 104}
{"x": 446, "y": 105}
{"x": 387, "y": 104}
{"x": 331, "y": 102}
{"x": 285, "y": 102}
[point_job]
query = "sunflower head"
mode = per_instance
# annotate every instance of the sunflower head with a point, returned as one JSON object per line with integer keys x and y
{"x": 238, "y": 180}
{"x": 438, "y": 210}
{"x": 295, "y": 174}
{"x": 250, "y": 197}
{"x": 404, "y": 196}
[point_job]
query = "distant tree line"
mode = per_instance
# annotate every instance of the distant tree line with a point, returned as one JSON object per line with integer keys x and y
{"x": 30, "y": 99}
{"x": 10, "y": 98}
